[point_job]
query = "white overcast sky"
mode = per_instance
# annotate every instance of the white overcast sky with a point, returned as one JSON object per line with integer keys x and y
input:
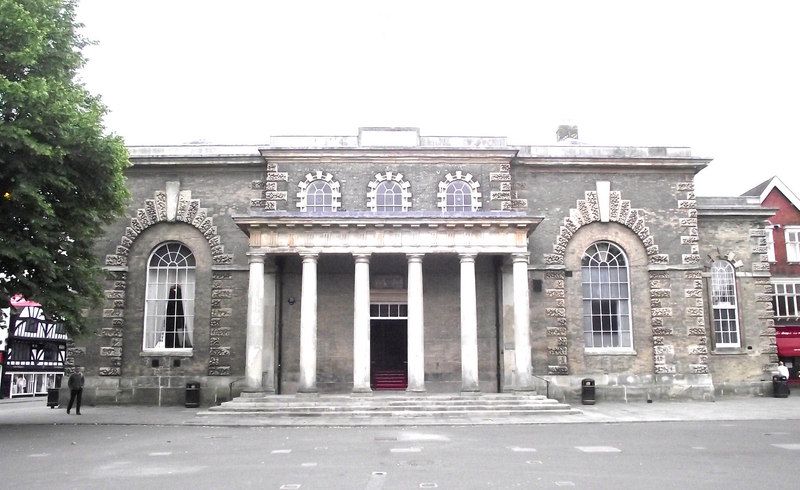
{"x": 720, "y": 77}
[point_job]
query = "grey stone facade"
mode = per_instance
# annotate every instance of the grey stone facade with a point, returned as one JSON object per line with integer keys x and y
{"x": 227, "y": 204}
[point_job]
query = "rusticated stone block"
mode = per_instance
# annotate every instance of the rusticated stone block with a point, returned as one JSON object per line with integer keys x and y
{"x": 760, "y": 266}
{"x": 659, "y": 359}
{"x": 662, "y": 331}
{"x": 275, "y": 196}
{"x": 661, "y": 312}
{"x": 499, "y": 196}
{"x": 257, "y": 184}
{"x": 115, "y": 294}
{"x": 557, "y": 275}
{"x": 109, "y": 371}
{"x": 655, "y": 303}
{"x": 659, "y": 259}
{"x": 659, "y": 275}
{"x": 562, "y": 342}
{"x": 659, "y": 293}
{"x": 221, "y": 276}
{"x": 221, "y": 312}
{"x": 214, "y": 341}
{"x": 111, "y": 332}
{"x": 499, "y": 177}
{"x": 117, "y": 322}
{"x": 116, "y": 342}
{"x": 665, "y": 369}
{"x": 553, "y": 259}
{"x": 220, "y": 351}
{"x": 219, "y": 371}
{"x": 556, "y": 331}
{"x": 693, "y": 293}
{"x": 690, "y": 259}
{"x": 697, "y": 331}
{"x": 505, "y": 186}
{"x": 560, "y": 303}
{"x": 698, "y": 368}
{"x": 112, "y": 313}
{"x": 557, "y": 351}
{"x": 758, "y": 232}
{"x": 698, "y": 350}
{"x": 277, "y": 177}
{"x": 554, "y": 293}
{"x": 685, "y": 186}
{"x": 110, "y": 351}
{"x": 557, "y": 370}
{"x": 656, "y": 322}
{"x": 694, "y": 311}
{"x": 220, "y": 331}
{"x": 271, "y": 167}
{"x": 555, "y": 312}
{"x": 658, "y": 340}
{"x": 687, "y": 222}
{"x": 258, "y": 203}
{"x": 687, "y": 204}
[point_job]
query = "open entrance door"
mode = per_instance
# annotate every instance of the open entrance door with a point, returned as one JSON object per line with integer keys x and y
{"x": 389, "y": 350}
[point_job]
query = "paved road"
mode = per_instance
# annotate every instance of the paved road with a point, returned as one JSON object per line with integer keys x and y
{"x": 694, "y": 454}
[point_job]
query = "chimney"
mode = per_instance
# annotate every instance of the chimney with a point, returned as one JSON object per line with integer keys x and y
{"x": 566, "y": 132}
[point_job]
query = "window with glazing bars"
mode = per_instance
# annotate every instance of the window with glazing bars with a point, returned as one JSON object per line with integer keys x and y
{"x": 606, "y": 297}
{"x": 459, "y": 196}
{"x": 169, "y": 302}
{"x": 787, "y": 299}
{"x": 319, "y": 197}
{"x": 723, "y": 304}
{"x": 389, "y": 196}
{"x": 388, "y": 310}
{"x": 792, "y": 235}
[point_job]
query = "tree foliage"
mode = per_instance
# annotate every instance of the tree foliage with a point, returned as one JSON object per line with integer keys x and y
{"x": 61, "y": 174}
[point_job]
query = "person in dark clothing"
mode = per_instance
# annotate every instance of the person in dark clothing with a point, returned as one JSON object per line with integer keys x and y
{"x": 75, "y": 384}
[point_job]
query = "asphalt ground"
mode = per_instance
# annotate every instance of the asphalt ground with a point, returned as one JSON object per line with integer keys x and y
{"x": 25, "y": 411}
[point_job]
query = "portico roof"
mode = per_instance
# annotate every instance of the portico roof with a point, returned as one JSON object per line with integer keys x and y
{"x": 409, "y": 232}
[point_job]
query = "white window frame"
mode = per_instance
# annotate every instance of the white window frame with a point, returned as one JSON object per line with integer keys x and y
{"x": 402, "y": 189}
{"x": 605, "y": 286}
{"x": 170, "y": 264}
{"x": 445, "y": 193}
{"x": 792, "y": 236}
{"x": 724, "y": 305}
{"x": 770, "y": 243}
{"x": 786, "y": 298}
{"x": 318, "y": 177}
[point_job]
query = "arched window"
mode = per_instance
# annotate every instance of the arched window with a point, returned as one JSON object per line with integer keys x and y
{"x": 459, "y": 196}
{"x": 389, "y": 196}
{"x": 169, "y": 301}
{"x": 606, "y": 297}
{"x": 319, "y": 197}
{"x": 459, "y": 193}
{"x": 723, "y": 304}
{"x": 319, "y": 193}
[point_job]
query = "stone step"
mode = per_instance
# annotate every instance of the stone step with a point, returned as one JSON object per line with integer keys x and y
{"x": 390, "y": 413}
{"x": 377, "y": 408}
{"x": 406, "y": 405}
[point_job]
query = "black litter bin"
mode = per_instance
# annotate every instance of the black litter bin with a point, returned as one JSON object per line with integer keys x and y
{"x": 587, "y": 391}
{"x": 192, "y": 395}
{"x": 780, "y": 386}
{"x": 52, "y": 397}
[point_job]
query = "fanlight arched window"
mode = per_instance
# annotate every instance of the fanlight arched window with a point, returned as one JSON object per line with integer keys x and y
{"x": 388, "y": 197}
{"x": 459, "y": 196}
{"x": 169, "y": 301}
{"x": 723, "y": 304}
{"x": 606, "y": 298}
{"x": 319, "y": 197}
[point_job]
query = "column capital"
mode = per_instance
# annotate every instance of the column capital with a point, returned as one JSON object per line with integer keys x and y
{"x": 361, "y": 257}
{"x": 520, "y": 257}
{"x": 467, "y": 257}
{"x": 309, "y": 256}
{"x": 256, "y": 258}
{"x": 415, "y": 258}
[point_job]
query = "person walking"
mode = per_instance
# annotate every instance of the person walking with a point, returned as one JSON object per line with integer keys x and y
{"x": 75, "y": 384}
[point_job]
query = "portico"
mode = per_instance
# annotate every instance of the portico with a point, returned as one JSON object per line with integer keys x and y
{"x": 367, "y": 238}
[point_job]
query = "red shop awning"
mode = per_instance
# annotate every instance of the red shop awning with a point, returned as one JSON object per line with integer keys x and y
{"x": 788, "y": 339}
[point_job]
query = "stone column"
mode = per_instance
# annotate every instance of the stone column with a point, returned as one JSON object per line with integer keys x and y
{"x": 416, "y": 325}
{"x": 361, "y": 325}
{"x": 469, "y": 325}
{"x": 308, "y": 325}
{"x": 255, "y": 323}
{"x": 522, "y": 336}
{"x": 270, "y": 321}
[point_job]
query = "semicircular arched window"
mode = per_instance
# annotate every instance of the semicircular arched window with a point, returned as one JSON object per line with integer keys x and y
{"x": 459, "y": 193}
{"x": 319, "y": 193}
{"x": 723, "y": 304}
{"x": 169, "y": 300}
{"x": 606, "y": 298}
{"x": 389, "y": 197}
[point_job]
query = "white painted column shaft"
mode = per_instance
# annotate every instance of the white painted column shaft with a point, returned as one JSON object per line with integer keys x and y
{"x": 270, "y": 320}
{"x": 255, "y": 323}
{"x": 416, "y": 325}
{"x": 469, "y": 325}
{"x": 308, "y": 325}
{"x": 522, "y": 337}
{"x": 361, "y": 325}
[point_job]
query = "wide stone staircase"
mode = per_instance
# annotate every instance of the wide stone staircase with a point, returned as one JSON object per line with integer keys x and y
{"x": 384, "y": 408}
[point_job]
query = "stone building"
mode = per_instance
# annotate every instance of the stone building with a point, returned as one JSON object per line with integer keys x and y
{"x": 390, "y": 260}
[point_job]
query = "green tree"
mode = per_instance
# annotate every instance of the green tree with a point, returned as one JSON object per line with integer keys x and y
{"x": 61, "y": 174}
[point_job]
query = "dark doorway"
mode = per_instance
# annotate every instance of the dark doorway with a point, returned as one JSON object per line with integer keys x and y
{"x": 389, "y": 354}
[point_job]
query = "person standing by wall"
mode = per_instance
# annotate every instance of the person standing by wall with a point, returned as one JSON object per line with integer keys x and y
{"x": 75, "y": 384}
{"x": 783, "y": 370}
